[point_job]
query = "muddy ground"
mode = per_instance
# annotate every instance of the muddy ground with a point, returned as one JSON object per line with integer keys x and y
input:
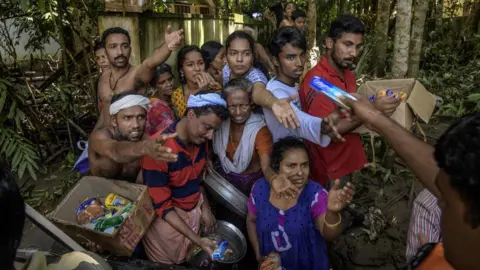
{"x": 381, "y": 210}
{"x": 379, "y": 214}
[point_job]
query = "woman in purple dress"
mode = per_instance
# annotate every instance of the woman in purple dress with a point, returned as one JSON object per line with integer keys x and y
{"x": 296, "y": 228}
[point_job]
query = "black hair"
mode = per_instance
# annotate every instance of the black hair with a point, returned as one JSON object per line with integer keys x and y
{"x": 346, "y": 24}
{"x": 298, "y": 13}
{"x": 123, "y": 94}
{"x": 283, "y": 145}
{"x": 244, "y": 35}
{"x": 210, "y": 50}
{"x": 14, "y": 218}
{"x": 97, "y": 45}
{"x": 161, "y": 69}
{"x": 457, "y": 153}
{"x": 238, "y": 84}
{"x": 139, "y": 85}
{"x": 114, "y": 30}
{"x": 240, "y": 35}
{"x": 218, "y": 110}
{"x": 181, "y": 59}
{"x": 286, "y": 35}
{"x": 285, "y": 7}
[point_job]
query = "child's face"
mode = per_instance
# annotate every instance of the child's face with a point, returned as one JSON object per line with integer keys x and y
{"x": 296, "y": 161}
{"x": 299, "y": 23}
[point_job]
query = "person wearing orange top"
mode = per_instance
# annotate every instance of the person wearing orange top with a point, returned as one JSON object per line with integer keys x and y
{"x": 243, "y": 143}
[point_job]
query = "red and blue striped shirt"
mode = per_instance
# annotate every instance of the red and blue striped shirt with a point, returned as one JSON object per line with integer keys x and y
{"x": 175, "y": 184}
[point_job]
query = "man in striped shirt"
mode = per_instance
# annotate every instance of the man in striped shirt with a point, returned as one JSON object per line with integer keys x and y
{"x": 425, "y": 219}
{"x": 175, "y": 186}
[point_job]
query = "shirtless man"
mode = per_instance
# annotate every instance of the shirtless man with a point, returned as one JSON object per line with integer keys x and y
{"x": 115, "y": 150}
{"x": 123, "y": 76}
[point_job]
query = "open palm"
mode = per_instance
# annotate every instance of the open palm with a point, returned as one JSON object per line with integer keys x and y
{"x": 173, "y": 39}
{"x": 339, "y": 197}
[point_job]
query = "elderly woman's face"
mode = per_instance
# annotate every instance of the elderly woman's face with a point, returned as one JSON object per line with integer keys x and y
{"x": 239, "y": 106}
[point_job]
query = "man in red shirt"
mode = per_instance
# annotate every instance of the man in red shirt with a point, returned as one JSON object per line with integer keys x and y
{"x": 338, "y": 160}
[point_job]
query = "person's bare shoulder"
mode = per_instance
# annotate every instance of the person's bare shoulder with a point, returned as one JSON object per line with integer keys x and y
{"x": 100, "y": 133}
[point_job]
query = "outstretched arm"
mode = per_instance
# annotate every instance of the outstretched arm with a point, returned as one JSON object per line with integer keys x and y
{"x": 119, "y": 151}
{"x": 173, "y": 39}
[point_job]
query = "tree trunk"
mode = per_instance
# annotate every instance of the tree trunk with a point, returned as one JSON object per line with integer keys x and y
{"x": 237, "y": 6}
{"x": 225, "y": 6}
{"x": 381, "y": 36}
{"x": 418, "y": 26}
{"x": 472, "y": 20}
{"x": 402, "y": 38}
{"x": 341, "y": 7}
{"x": 312, "y": 23}
{"x": 374, "y": 6}
{"x": 439, "y": 16}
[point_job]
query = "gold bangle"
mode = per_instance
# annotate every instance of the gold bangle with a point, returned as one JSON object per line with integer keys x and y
{"x": 336, "y": 224}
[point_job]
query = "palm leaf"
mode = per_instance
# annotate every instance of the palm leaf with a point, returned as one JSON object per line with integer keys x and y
{"x": 19, "y": 152}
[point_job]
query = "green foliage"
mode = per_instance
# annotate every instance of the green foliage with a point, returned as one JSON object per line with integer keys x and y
{"x": 447, "y": 73}
{"x": 18, "y": 151}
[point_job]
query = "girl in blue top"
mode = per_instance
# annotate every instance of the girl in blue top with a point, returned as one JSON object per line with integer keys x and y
{"x": 296, "y": 228}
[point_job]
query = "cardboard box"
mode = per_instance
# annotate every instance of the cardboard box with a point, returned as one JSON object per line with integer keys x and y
{"x": 125, "y": 239}
{"x": 419, "y": 103}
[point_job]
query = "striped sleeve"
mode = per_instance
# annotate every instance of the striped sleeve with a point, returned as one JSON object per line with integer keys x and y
{"x": 156, "y": 177}
{"x": 425, "y": 218}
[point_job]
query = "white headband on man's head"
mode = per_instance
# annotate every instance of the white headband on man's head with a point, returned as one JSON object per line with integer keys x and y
{"x": 127, "y": 102}
{"x": 210, "y": 99}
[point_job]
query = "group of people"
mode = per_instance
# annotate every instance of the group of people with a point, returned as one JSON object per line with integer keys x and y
{"x": 268, "y": 137}
{"x": 289, "y": 149}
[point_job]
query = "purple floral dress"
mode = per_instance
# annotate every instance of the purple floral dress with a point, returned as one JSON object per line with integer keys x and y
{"x": 292, "y": 233}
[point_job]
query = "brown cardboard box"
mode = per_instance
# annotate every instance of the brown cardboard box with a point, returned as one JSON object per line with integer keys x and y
{"x": 420, "y": 102}
{"x": 125, "y": 239}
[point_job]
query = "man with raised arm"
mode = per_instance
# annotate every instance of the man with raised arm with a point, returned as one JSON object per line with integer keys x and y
{"x": 122, "y": 75}
{"x": 114, "y": 151}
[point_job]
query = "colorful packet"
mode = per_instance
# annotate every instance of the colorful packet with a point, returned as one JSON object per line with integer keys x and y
{"x": 336, "y": 94}
{"x": 219, "y": 252}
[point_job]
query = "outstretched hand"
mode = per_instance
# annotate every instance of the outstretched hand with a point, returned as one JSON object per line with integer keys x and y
{"x": 283, "y": 187}
{"x": 338, "y": 197}
{"x": 363, "y": 109}
{"x": 329, "y": 123}
{"x": 284, "y": 112}
{"x": 173, "y": 39}
{"x": 156, "y": 149}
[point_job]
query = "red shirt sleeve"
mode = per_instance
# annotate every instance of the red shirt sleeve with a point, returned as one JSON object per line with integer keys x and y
{"x": 313, "y": 102}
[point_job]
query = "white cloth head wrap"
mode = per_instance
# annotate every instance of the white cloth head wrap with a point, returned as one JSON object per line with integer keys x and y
{"x": 210, "y": 99}
{"x": 127, "y": 102}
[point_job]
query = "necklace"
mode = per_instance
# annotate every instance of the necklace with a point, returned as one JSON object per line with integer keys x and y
{"x": 111, "y": 77}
